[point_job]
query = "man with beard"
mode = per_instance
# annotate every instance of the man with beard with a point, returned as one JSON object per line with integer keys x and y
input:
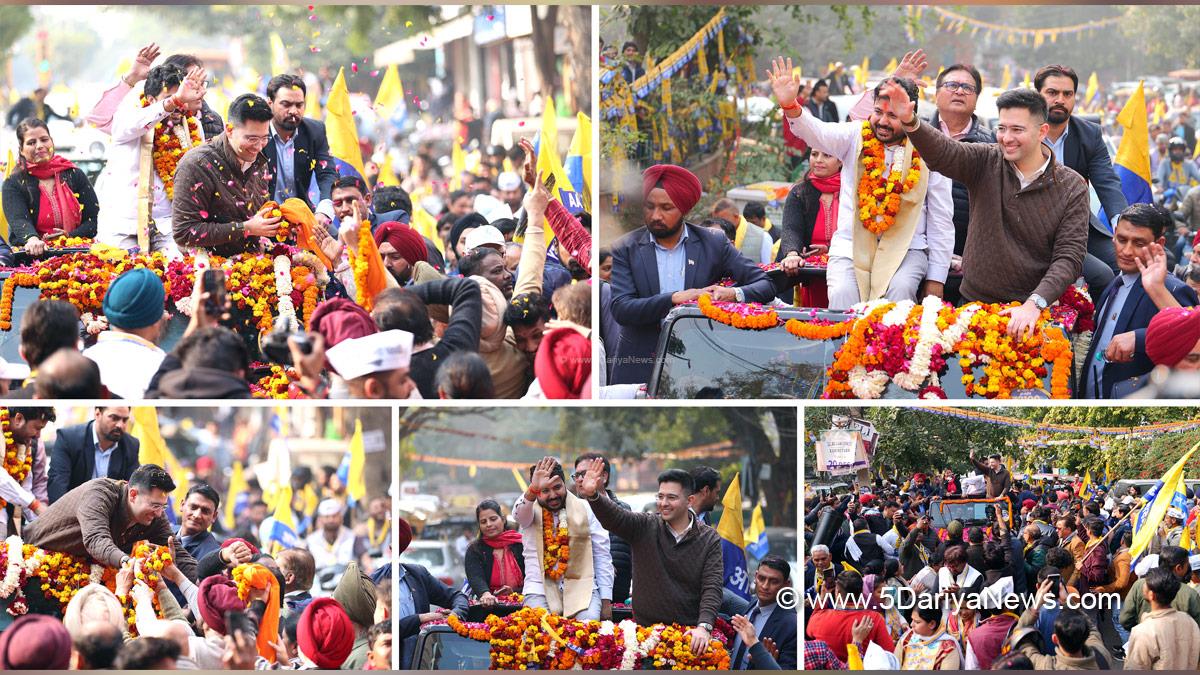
{"x": 29, "y": 496}
{"x": 332, "y": 543}
{"x": 670, "y": 262}
{"x": 1028, "y": 234}
{"x": 401, "y": 248}
{"x": 568, "y": 564}
{"x": 902, "y": 251}
{"x": 678, "y": 571}
{"x": 102, "y": 519}
{"x": 98, "y": 449}
{"x": 298, "y": 148}
{"x": 1079, "y": 144}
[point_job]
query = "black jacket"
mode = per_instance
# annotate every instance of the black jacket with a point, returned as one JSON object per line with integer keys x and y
{"x": 210, "y": 121}
{"x": 826, "y": 112}
{"x": 22, "y": 202}
{"x": 26, "y": 108}
{"x": 962, "y": 204}
{"x": 1085, "y": 152}
{"x": 193, "y": 383}
{"x": 461, "y": 334}
{"x": 622, "y": 558}
{"x": 74, "y": 459}
{"x": 799, "y": 217}
{"x": 426, "y": 591}
{"x": 311, "y": 156}
{"x": 478, "y": 565}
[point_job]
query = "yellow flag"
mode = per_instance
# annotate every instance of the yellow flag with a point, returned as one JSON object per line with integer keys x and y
{"x": 237, "y": 485}
{"x": 279, "y": 58}
{"x": 1152, "y": 514}
{"x": 520, "y": 480}
{"x": 892, "y": 65}
{"x": 1185, "y": 539}
{"x": 579, "y": 160}
{"x": 339, "y": 125}
{"x": 391, "y": 93}
{"x": 730, "y": 526}
{"x": 356, "y": 480}
{"x": 426, "y": 224}
{"x": 548, "y": 161}
{"x": 864, "y": 70}
{"x": 1087, "y": 482}
{"x": 153, "y": 449}
{"x": 387, "y": 175}
{"x": 1093, "y": 90}
{"x": 1026, "y": 83}
{"x": 1006, "y": 79}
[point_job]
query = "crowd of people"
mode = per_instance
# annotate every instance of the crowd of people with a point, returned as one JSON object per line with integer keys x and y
{"x": 230, "y": 595}
{"x": 899, "y": 208}
{"x": 1044, "y": 582}
{"x": 570, "y": 545}
{"x": 473, "y": 314}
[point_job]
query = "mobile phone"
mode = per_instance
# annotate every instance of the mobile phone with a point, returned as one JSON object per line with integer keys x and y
{"x": 213, "y": 283}
{"x": 235, "y": 621}
{"x": 1056, "y": 581}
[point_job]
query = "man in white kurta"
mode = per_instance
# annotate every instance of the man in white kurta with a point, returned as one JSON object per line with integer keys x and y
{"x": 925, "y": 266}
{"x": 31, "y": 494}
{"x": 133, "y": 130}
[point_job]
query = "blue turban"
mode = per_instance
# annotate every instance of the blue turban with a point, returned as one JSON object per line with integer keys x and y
{"x": 135, "y": 299}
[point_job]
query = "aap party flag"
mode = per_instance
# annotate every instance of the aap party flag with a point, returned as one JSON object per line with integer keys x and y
{"x": 1167, "y": 492}
{"x": 733, "y": 548}
{"x": 342, "y": 133}
{"x": 1132, "y": 164}
{"x": 756, "y": 536}
{"x": 279, "y": 531}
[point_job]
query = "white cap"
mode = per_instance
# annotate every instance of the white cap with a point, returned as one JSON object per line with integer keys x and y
{"x": 329, "y": 507}
{"x": 1127, "y": 499}
{"x": 1175, "y": 512}
{"x": 13, "y": 371}
{"x": 374, "y": 353}
{"x": 486, "y": 235}
{"x": 491, "y": 208}
{"x": 1195, "y": 561}
{"x": 508, "y": 180}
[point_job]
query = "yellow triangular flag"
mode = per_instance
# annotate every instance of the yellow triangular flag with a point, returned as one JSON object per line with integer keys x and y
{"x": 339, "y": 125}
{"x": 279, "y": 57}
{"x": 237, "y": 485}
{"x": 391, "y": 93}
{"x": 1006, "y": 79}
{"x": 387, "y": 175}
{"x": 356, "y": 479}
{"x": 458, "y": 164}
{"x": 153, "y": 449}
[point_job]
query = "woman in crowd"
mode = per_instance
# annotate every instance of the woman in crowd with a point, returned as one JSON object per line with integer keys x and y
{"x": 47, "y": 196}
{"x": 927, "y": 646}
{"x": 495, "y": 562}
{"x": 810, "y": 217}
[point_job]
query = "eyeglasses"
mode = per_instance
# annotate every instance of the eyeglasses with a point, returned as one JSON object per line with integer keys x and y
{"x": 960, "y": 86}
{"x": 256, "y": 139}
{"x": 158, "y": 507}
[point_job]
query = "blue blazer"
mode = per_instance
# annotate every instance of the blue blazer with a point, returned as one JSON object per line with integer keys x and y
{"x": 1135, "y": 316}
{"x": 639, "y": 306}
{"x": 74, "y": 460}
{"x": 1085, "y": 152}
{"x": 311, "y": 157}
{"x": 781, "y": 629}
{"x": 426, "y": 590}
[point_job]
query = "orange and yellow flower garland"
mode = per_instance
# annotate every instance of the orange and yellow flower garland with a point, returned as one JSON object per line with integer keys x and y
{"x": 747, "y": 316}
{"x": 18, "y": 461}
{"x": 879, "y": 197}
{"x": 361, "y": 264}
{"x": 806, "y": 330}
{"x": 168, "y": 148}
{"x": 556, "y": 547}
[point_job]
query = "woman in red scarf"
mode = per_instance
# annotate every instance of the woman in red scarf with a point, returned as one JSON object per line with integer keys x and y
{"x": 47, "y": 196}
{"x": 810, "y": 217}
{"x": 495, "y": 562}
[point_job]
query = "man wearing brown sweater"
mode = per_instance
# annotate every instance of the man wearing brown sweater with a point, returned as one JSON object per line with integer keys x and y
{"x": 220, "y": 185}
{"x": 677, "y": 562}
{"x": 102, "y": 519}
{"x": 1029, "y": 214}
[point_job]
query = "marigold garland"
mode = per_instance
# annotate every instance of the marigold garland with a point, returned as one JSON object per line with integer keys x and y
{"x": 533, "y": 638}
{"x": 167, "y": 148}
{"x": 747, "y": 316}
{"x": 361, "y": 265}
{"x": 879, "y": 197}
{"x": 18, "y": 460}
{"x": 555, "y": 546}
{"x": 818, "y": 330}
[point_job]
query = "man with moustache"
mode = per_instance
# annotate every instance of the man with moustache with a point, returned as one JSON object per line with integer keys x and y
{"x": 580, "y": 586}
{"x": 298, "y": 148}
{"x": 900, "y": 253}
{"x": 1079, "y": 144}
{"x": 670, "y": 262}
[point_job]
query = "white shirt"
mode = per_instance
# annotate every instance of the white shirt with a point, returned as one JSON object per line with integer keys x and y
{"x": 602, "y": 567}
{"x": 118, "y": 198}
{"x": 1035, "y": 175}
{"x": 341, "y": 552}
{"x": 935, "y": 224}
{"x": 35, "y": 486}
{"x": 127, "y": 362}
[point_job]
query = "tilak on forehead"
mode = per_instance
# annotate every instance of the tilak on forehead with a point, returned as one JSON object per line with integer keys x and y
{"x": 682, "y": 186}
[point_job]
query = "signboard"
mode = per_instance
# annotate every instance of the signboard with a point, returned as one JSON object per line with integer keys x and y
{"x": 374, "y": 441}
{"x": 841, "y": 452}
{"x": 870, "y": 437}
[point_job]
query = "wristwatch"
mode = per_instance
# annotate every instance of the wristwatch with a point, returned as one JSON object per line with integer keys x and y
{"x": 739, "y": 294}
{"x": 706, "y": 626}
{"x": 1039, "y": 301}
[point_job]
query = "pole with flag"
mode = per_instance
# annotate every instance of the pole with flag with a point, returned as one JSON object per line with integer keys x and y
{"x": 733, "y": 546}
{"x": 238, "y": 487}
{"x": 1087, "y": 483}
{"x": 352, "y": 471}
{"x": 341, "y": 130}
{"x": 153, "y": 450}
{"x": 1167, "y": 492}
{"x": 279, "y": 531}
{"x": 1006, "y": 78}
{"x": 756, "y": 536}
{"x": 549, "y": 166}
{"x": 279, "y": 56}
{"x": 1091, "y": 97}
{"x": 390, "y": 98}
{"x": 579, "y": 160}
{"x": 1132, "y": 163}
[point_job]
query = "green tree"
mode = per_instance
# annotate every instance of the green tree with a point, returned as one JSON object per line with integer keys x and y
{"x": 14, "y": 21}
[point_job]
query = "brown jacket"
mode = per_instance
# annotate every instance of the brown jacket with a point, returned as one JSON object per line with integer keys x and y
{"x": 1165, "y": 639}
{"x": 213, "y": 197}
{"x": 1122, "y": 579}
{"x": 94, "y": 521}
{"x": 998, "y": 481}
{"x": 1019, "y": 241}
{"x": 674, "y": 582}
{"x": 1095, "y": 656}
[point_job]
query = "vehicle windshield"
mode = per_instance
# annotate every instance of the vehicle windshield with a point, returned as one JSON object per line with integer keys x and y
{"x": 703, "y": 358}
{"x": 968, "y": 513}
{"x": 451, "y": 651}
{"x": 429, "y": 557}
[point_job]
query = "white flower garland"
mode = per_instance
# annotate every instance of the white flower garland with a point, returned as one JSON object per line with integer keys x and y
{"x": 283, "y": 287}
{"x": 898, "y": 314}
{"x": 629, "y": 637}
{"x": 867, "y": 384}
{"x": 928, "y": 334}
{"x": 12, "y": 571}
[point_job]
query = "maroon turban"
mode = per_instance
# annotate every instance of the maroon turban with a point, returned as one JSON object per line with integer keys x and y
{"x": 218, "y": 595}
{"x": 563, "y": 363}
{"x": 405, "y": 534}
{"x": 407, "y": 241}
{"x": 325, "y": 634}
{"x": 1028, "y": 504}
{"x": 35, "y": 642}
{"x": 681, "y": 185}
{"x": 340, "y": 319}
{"x": 1172, "y": 335}
{"x": 233, "y": 540}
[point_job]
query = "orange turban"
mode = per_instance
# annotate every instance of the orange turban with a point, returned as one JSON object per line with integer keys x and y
{"x": 253, "y": 576}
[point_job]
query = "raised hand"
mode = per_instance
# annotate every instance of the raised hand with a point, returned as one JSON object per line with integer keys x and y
{"x": 784, "y": 82}
{"x": 912, "y": 65}
{"x": 541, "y": 474}
{"x": 593, "y": 479}
{"x": 141, "y": 63}
{"x": 530, "y": 167}
{"x": 1152, "y": 263}
{"x": 893, "y": 96}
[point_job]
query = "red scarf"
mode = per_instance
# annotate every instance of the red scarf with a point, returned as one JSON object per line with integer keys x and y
{"x": 828, "y": 185}
{"x": 505, "y": 571}
{"x": 59, "y": 208}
